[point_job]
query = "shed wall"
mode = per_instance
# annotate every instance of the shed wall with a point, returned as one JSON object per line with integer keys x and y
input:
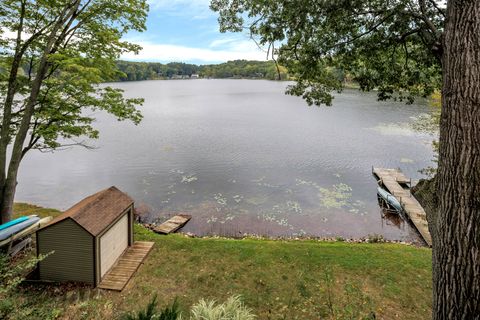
{"x": 73, "y": 257}
{"x": 113, "y": 243}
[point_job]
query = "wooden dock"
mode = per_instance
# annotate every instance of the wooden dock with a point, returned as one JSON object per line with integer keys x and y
{"x": 119, "y": 275}
{"x": 172, "y": 224}
{"x": 399, "y": 186}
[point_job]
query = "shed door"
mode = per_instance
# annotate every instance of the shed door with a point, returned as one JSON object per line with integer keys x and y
{"x": 113, "y": 243}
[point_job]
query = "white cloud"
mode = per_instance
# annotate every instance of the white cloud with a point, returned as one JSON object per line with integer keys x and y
{"x": 222, "y": 42}
{"x": 233, "y": 50}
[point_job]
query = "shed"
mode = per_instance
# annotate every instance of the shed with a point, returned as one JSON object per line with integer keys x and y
{"x": 87, "y": 239}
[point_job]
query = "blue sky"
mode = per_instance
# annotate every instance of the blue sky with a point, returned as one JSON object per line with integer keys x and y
{"x": 187, "y": 31}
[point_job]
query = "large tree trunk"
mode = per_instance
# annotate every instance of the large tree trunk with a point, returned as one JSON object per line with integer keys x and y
{"x": 55, "y": 39}
{"x": 456, "y": 229}
{"x": 6, "y": 204}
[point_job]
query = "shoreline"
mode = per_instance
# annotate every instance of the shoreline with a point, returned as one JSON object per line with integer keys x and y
{"x": 23, "y": 208}
{"x": 371, "y": 238}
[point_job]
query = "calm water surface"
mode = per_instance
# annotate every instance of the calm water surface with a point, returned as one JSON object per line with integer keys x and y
{"x": 242, "y": 157}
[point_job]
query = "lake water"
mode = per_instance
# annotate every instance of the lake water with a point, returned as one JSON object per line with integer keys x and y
{"x": 242, "y": 157}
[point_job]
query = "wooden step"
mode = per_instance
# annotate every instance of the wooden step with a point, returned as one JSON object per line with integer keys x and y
{"x": 126, "y": 266}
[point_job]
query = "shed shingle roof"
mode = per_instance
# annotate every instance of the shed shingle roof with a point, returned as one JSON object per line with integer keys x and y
{"x": 96, "y": 212}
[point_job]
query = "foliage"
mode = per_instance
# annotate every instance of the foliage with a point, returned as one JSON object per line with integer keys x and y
{"x": 150, "y": 313}
{"x": 232, "y": 309}
{"x": 232, "y": 69}
{"x": 393, "y": 46}
{"x": 83, "y": 56}
{"x": 430, "y": 123}
{"x": 53, "y": 56}
{"x": 11, "y": 275}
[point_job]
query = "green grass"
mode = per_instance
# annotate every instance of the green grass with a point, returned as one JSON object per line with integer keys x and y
{"x": 277, "y": 280}
{"x": 25, "y": 209}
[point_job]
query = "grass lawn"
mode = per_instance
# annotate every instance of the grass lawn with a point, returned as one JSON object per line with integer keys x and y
{"x": 277, "y": 279}
{"x": 26, "y": 209}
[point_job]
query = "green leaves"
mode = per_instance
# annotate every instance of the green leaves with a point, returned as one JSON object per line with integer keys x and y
{"x": 80, "y": 40}
{"x": 391, "y": 46}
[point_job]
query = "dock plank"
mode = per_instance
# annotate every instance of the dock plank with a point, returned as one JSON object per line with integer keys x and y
{"x": 391, "y": 180}
{"x": 396, "y": 174}
{"x": 123, "y": 270}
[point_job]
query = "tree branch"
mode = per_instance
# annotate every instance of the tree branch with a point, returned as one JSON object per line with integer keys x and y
{"x": 425, "y": 18}
{"x": 441, "y": 11}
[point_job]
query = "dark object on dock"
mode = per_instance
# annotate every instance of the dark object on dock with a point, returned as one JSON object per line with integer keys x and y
{"x": 393, "y": 180}
{"x": 389, "y": 199}
{"x": 173, "y": 224}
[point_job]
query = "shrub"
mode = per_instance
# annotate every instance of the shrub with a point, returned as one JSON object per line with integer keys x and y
{"x": 150, "y": 313}
{"x": 232, "y": 309}
{"x": 11, "y": 275}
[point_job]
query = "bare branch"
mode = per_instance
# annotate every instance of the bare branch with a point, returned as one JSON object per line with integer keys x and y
{"x": 425, "y": 18}
{"x": 441, "y": 11}
{"x": 65, "y": 146}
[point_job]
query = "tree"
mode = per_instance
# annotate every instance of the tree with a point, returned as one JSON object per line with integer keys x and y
{"x": 404, "y": 48}
{"x": 54, "y": 55}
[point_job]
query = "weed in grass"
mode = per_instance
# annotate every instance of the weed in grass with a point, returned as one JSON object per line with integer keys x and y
{"x": 328, "y": 281}
{"x": 375, "y": 238}
{"x": 302, "y": 289}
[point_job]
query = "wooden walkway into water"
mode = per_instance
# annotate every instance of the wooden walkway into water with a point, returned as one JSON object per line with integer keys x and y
{"x": 394, "y": 181}
{"x": 119, "y": 275}
{"x": 173, "y": 224}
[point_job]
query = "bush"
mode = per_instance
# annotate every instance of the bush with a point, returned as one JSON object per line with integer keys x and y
{"x": 150, "y": 313}
{"x": 11, "y": 275}
{"x": 232, "y": 309}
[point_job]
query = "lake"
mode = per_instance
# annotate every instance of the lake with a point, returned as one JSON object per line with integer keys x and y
{"x": 242, "y": 157}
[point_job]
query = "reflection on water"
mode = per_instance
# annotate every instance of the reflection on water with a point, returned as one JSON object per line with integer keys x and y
{"x": 241, "y": 157}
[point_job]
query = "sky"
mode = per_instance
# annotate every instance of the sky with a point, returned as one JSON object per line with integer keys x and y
{"x": 187, "y": 31}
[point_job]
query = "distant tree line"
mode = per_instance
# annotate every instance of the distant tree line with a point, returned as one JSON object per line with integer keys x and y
{"x": 134, "y": 71}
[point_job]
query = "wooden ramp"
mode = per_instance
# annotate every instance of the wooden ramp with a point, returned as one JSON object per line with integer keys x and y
{"x": 172, "y": 224}
{"x": 119, "y": 275}
{"x": 392, "y": 180}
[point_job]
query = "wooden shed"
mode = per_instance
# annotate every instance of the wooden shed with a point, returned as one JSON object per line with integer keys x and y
{"x": 87, "y": 239}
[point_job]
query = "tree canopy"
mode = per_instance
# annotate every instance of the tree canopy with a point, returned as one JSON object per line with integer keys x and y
{"x": 53, "y": 56}
{"x": 393, "y": 46}
{"x": 231, "y": 69}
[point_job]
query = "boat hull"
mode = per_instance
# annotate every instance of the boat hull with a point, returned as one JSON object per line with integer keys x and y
{"x": 389, "y": 198}
{"x": 9, "y": 231}
{"x": 12, "y": 223}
